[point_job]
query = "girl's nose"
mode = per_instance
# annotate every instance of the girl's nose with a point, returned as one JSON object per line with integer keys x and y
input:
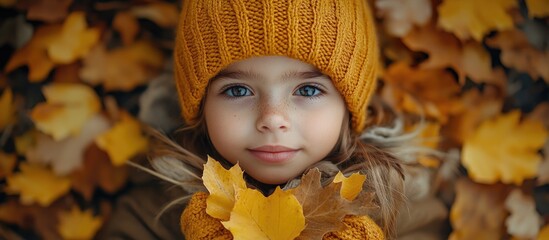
{"x": 273, "y": 118}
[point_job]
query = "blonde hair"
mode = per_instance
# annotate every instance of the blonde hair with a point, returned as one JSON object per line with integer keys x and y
{"x": 180, "y": 160}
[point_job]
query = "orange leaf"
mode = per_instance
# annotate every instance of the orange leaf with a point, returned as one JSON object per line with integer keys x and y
{"x": 34, "y": 54}
{"x": 472, "y": 18}
{"x": 44, "y": 10}
{"x": 50, "y": 187}
{"x": 513, "y": 159}
{"x": 478, "y": 211}
{"x": 127, "y": 25}
{"x": 7, "y": 109}
{"x": 78, "y": 225}
{"x": 7, "y": 163}
{"x": 350, "y": 186}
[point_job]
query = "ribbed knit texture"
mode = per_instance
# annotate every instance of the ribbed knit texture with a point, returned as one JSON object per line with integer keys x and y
{"x": 197, "y": 224}
{"x": 336, "y": 36}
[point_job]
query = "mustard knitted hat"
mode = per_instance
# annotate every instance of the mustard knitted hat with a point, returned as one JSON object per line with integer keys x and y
{"x": 336, "y": 36}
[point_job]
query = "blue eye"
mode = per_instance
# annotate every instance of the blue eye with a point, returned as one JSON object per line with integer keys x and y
{"x": 308, "y": 91}
{"x": 237, "y": 91}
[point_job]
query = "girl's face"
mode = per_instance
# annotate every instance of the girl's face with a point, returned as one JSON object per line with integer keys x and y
{"x": 274, "y": 115}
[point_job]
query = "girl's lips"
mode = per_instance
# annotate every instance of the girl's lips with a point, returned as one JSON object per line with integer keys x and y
{"x": 273, "y": 154}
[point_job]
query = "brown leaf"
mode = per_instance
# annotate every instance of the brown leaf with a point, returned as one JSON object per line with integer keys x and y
{"x": 7, "y": 164}
{"x": 478, "y": 211}
{"x": 67, "y": 73}
{"x": 97, "y": 171}
{"x": 324, "y": 208}
{"x": 45, "y": 10}
{"x": 127, "y": 25}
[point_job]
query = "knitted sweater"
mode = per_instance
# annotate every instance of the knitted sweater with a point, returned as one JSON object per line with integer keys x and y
{"x": 197, "y": 224}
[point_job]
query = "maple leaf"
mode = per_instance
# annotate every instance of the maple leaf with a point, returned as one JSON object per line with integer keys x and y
{"x": 430, "y": 92}
{"x": 74, "y": 41}
{"x": 478, "y": 211}
{"x": 24, "y": 183}
{"x": 469, "y": 59}
{"x": 124, "y": 140}
{"x": 223, "y": 186}
{"x": 78, "y": 225}
{"x": 278, "y": 216}
{"x": 7, "y": 113}
{"x": 524, "y": 221}
{"x": 66, "y": 155}
{"x": 537, "y": 8}
{"x": 68, "y": 106}
{"x": 324, "y": 207}
{"x": 518, "y": 53}
{"x": 471, "y": 18}
{"x": 350, "y": 186}
{"x": 7, "y": 163}
{"x": 514, "y": 157}
{"x": 122, "y": 68}
{"x": 97, "y": 170}
{"x": 400, "y": 16}
{"x": 34, "y": 54}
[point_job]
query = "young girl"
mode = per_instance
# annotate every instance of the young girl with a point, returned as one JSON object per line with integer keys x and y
{"x": 280, "y": 87}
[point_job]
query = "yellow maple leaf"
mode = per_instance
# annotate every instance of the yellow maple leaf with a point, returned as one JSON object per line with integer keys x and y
{"x": 68, "y": 106}
{"x": 538, "y": 8}
{"x": 350, "y": 186}
{"x": 222, "y": 185}
{"x": 123, "y": 141}
{"x": 36, "y": 183}
{"x": 78, "y": 225}
{"x": 74, "y": 41}
{"x": 478, "y": 211}
{"x": 278, "y": 216}
{"x": 473, "y": 18}
{"x": 7, "y": 110}
{"x": 504, "y": 150}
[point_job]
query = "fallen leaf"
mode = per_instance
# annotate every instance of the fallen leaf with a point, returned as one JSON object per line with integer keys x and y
{"x": 162, "y": 13}
{"x": 78, "y": 225}
{"x": 98, "y": 171}
{"x": 66, "y": 155}
{"x": 278, "y": 216}
{"x": 518, "y": 53}
{"x": 123, "y": 141}
{"x": 223, "y": 185}
{"x": 468, "y": 59}
{"x": 433, "y": 93}
{"x": 471, "y": 18}
{"x": 127, "y": 25}
{"x": 513, "y": 159}
{"x": 25, "y": 182}
{"x": 122, "y": 68}
{"x": 74, "y": 41}
{"x": 25, "y": 141}
{"x": 523, "y": 221}
{"x": 350, "y": 186}
{"x": 400, "y": 16}
{"x": 544, "y": 233}
{"x": 68, "y": 106}
{"x": 34, "y": 54}
{"x": 44, "y": 10}
{"x": 7, "y": 164}
{"x": 537, "y": 8}
{"x": 478, "y": 211}
{"x": 67, "y": 73}
{"x": 7, "y": 113}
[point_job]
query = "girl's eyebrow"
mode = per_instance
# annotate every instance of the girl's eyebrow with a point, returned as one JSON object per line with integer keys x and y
{"x": 237, "y": 74}
{"x": 302, "y": 75}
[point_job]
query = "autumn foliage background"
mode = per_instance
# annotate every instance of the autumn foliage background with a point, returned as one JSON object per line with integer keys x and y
{"x": 81, "y": 79}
